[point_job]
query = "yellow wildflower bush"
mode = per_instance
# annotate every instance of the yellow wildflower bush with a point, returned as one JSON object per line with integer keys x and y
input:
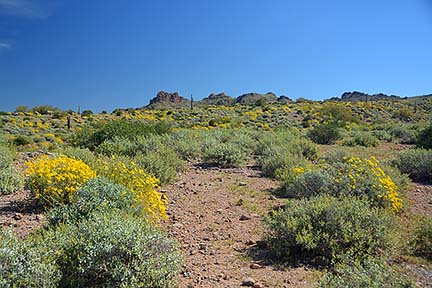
{"x": 142, "y": 185}
{"x": 54, "y": 180}
{"x": 365, "y": 177}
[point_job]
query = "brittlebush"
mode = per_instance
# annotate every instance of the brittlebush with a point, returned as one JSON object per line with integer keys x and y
{"x": 55, "y": 180}
{"x": 142, "y": 185}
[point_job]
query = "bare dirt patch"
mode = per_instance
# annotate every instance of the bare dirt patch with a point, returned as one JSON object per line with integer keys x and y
{"x": 216, "y": 216}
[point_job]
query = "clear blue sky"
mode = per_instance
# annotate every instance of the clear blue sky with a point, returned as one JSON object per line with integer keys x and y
{"x": 105, "y": 54}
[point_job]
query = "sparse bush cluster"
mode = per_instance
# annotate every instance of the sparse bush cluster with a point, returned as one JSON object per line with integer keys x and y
{"x": 10, "y": 179}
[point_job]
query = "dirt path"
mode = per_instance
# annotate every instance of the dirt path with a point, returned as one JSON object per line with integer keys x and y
{"x": 216, "y": 214}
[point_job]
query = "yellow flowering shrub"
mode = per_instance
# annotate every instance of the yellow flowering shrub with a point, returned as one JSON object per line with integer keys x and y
{"x": 54, "y": 180}
{"x": 144, "y": 186}
{"x": 365, "y": 177}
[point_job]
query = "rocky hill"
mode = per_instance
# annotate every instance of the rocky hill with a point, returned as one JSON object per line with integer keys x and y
{"x": 356, "y": 96}
{"x": 168, "y": 100}
{"x": 253, "y": 98}
{"x": 217, "y": 99}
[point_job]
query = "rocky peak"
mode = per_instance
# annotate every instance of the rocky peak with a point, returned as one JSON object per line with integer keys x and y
{"x": 163, "y": 96}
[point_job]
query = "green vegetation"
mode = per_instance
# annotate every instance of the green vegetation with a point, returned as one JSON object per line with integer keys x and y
{"x": 98, "y": 178}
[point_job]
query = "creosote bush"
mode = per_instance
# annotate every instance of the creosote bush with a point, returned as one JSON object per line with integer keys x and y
{"x": 97, "y": 195}
{"x": 329, "y": 227}
{"x": 365, "y": 139}
{"x": 416, "y": 163}
{"x": 372, "y": 272}
{"x": 23, "y": 264}
{"x": 421, "y": 242}
{"x": 10, "y": 179}
{"x": 225, "y": 155}
{"x": 112, "y": 250}
{"x": 327, "y": 133}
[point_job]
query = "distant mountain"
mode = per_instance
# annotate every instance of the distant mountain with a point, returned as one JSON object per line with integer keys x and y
{"x": 284, "y": 99}
{"x": 168, "y": 100}
{"x": 356, "y": 96}
{"x": 253, "y": 98}
{"x": 218, "y": 99}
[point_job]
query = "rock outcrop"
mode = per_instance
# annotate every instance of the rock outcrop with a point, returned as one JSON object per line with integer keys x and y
{"x": 218, "y": 99}
{"x": 163, "y": 96}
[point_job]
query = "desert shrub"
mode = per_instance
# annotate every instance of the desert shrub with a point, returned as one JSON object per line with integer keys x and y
{"x": 121, "y": 129}
{"x": 143, "y": 186}
{"x": 351, "y": 176}
{"x": 10, "y": 179}
{"x": 112, "y": 250}
{"x": 324, "y": 133}
{"x": 22, "y": 140}
{"x": 371, "y": 272}
{"x": 23, "y": 264}
{"x": 82, "y": 154}
{"x": 425, "y": 138}
{"x": 303, "y": 147}
{"x": 275, "y": 160}
{"x": 299, "y": 183}
{"x": 364, "y": 139}
{"x": 359, "y": 177}
{"x": 404, "y": 134}
{"x": 186, "y": 143}
{"x": 329, "y": 227}
{"x": 421, "y": 242}
{"x": 117, "y": 146}
{"x": 225, "y": 155}
{"x": 416, "y": 163}
{"x": 279, "y": 137}
{"x": 55, "y": 180}
{"x": 382, "y": 135}
{"x": 164, "y": 164}
{"x": 97, "y": 195}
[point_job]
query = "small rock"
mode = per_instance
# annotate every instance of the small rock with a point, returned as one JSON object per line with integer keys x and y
{"x": 18, "y": 216}
{"x": 258, "y": 285}
{"x": 272, "y": 197}
{"x": 178, "y": 225}
{"x": 242, "y": 184}
{"x": 244, "y": 218}
{"x": 186, "y": 274}
{"x": 202, "y": 246}
{"x": 248, "y": 282}
{"x": 255, "y": 266}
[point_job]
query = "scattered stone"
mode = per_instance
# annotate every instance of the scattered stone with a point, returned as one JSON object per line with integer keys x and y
{"x": 255, "y": 266}
{"x": 18, "y": 216}
{"x": 242, "y": 184}
{"x": 178, "y": 225}
{"x": 202, "y": 246}
{"x": 244, "y": 218}
{"x": 258, "y": 285}
{"x": 248, "y": 282}
{"x": 272, "y": 197}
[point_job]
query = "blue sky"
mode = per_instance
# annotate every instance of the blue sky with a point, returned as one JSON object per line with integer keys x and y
{"x": 106, "y": 54}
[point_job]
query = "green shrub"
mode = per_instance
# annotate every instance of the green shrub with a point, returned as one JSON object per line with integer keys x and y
{"x": 308, "y": 184}
{"x": 372, "y": 272}
{"x": 112, "y": 250}
{"x": 82, "y": 154}
{"x": 163, "y": 163}
{"x": 421, "y": 243}
{"x": 324, "y": 133}
{"x": 404, "y": 134}
{"x": 186, "y": 143}
{"x": 121, "y": 129}
{"x": 276, "y": 160}
{"x": 328, "y": 227}
{"x": 10, "y": 179}
{"x": 97, "y": 195}
{"x": 23, "y": 264}
{"x": 22, "y": 140}
{"x": 425, "y": 138}
{"x": 416, "y": 163}
{"x": 364, "y": 139}
{"x": 303, "y": 147}
{"x": 225, "y": 155}
{"x": 382, "y": 135}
